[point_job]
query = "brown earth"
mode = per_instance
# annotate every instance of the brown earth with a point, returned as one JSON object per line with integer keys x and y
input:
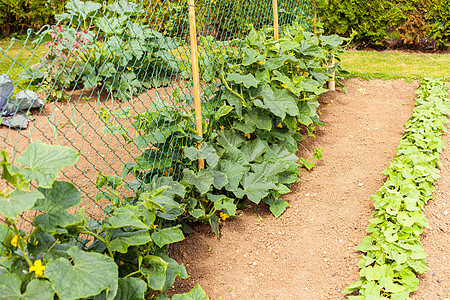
{"x": 308, "y": 252}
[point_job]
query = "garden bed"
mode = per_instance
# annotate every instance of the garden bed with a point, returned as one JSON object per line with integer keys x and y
{"x": 309, "y": 250}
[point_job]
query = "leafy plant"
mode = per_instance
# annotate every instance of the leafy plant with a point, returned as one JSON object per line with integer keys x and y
{"x": 71, "y": 256}
{"x": 392, "y": 253}
{"x": 382, "y": 23}
{"x": 260, "y": 98}
{"x": 105, "y": 47}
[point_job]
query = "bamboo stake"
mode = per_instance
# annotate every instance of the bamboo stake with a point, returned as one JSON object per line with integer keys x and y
{"x": 315, "y": 18}
{"x": 195, "y": 76}
{"x": 275, "y": 20}
{"x": 332, "y": 83}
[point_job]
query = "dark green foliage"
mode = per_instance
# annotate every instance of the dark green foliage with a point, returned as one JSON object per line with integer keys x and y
{"x": 18, "y": 15}
{"x": 420, "y": 24}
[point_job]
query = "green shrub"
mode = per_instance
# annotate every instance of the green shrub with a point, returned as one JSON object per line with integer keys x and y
{"x": 385, "y": 23}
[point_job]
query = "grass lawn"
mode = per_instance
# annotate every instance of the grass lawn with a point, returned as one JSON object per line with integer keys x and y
{"x": 393, "y": 64}
{"x": 15, "y": 56}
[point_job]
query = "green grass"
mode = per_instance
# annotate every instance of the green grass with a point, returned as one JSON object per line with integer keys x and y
{"x": 394, "y": 65}
{"x": 14, "y": 56}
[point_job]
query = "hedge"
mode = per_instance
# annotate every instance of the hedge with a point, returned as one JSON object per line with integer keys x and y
{"x": 422, "y": 24}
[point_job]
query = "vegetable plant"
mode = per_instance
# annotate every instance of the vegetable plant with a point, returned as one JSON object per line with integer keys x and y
{"x": 392, "y": 253}
{"x": 259, "y": 100}
{"x": 70, "y": 256}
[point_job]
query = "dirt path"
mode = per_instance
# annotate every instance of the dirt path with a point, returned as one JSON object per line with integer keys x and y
{"x": 308, "y": 253}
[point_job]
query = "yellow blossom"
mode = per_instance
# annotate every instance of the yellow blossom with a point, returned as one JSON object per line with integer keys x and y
{"x": 247, "y": 135}
{"x": 129, "y": 69}
{"x": 280, "y": 125}
{"x": 99, "y": 83}
{"x": 38, "y": 268}
{"x": 15, "y": 240}
{"x": 284, "y": 85}
{"x": 291, "y": 53}
{"x": 222, "y": 127}
{"x": 224, "y": 216}
{"x": 262, "y": 63}
{"x": 154, "y": 226}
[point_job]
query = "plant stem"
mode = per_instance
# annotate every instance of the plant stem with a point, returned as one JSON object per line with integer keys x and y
{"x": 21, "y": 246}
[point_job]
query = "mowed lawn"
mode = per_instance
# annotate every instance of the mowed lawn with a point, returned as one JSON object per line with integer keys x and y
{"x": 396, "y": 64}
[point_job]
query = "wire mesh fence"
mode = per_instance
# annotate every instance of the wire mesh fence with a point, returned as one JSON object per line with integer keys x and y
{"x": 104, "y": 71}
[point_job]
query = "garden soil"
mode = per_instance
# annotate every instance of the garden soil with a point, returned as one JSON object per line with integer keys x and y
{"x": 308, "y": 252}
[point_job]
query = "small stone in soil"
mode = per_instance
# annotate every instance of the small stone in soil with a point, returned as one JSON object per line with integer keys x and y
{"x": 438, "y": 281}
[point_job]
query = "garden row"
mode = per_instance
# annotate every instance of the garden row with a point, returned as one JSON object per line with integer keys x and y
{"x": 261, "y": 100}
{"x": 392, "y": 252}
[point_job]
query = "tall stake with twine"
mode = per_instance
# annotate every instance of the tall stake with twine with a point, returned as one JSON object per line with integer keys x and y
{"x": 195, "y": 76}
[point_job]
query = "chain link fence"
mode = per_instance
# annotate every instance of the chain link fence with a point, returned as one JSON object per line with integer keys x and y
{"x": 78, "y": 83}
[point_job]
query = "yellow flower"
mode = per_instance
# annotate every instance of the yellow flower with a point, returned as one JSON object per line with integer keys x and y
{"x": 284, "y": 85}
{"x": 15, "y": 240}
{"x": 280, "y": 125}
{"x": 129, "y": 69}
{"x": 224, "y": 216}
{"x": 247, "y": 135}
{"x": 222, "y": 128}
{"x": 291, "y": 53}
{"x": 154, "y": 226}
{"x": 38, "y": 268}
{"x": 298, "y": 68}
{"x": 98, "y": 44}
{"x": 100, "y": 83}
{"x": 262, "y": 63}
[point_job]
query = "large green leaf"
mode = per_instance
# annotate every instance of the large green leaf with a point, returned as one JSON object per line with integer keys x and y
{"x": 247, "y": 80}
{"x": 88, "y": 275}
{"x": 234, "y": 172}
{"x": 152, "y": 159}
{"x": 251, "y": 57}
{"x": 277, "y": 62}
{"x": 10, "y": 288}
{"x": 256, "y": 187}
{"x": 59, "y": 198}
{"x": 197, "y": 293}
{"x": 83, "y": 9}
{"x": 234, "y": 101}
{"x": 123, "y": 240}
{"x": 167, "y": 236}
{"x": 173, "y": 271}
{"x": 175, "y": 188}
{"x": 44, "y": 162}
{"x": 50, "y": 221}
{"x": 131, "y": 288}
{"x": 202, "y": 180}
{"x": 277, "y": 207}
{"x": 279, "y": 102}
{"x": 10, "y": 172}
{"x": 253, "y": 150}
{"x": 123, "y": 218}
{"x": 18, "y": 202}
{"x": 229, "y": 138}
{"x": 155, "y": 270}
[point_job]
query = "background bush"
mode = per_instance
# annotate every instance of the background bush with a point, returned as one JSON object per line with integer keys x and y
{"x": 422, "y": 24}
{"x": 220, "y": 18}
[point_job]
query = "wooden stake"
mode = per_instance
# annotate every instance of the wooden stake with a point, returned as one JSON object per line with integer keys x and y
{"x": 315, "y": 18}
{"x": 276, "y": 33}
{"x": 195, "y": 76}
{"x": 332, "y": 83}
